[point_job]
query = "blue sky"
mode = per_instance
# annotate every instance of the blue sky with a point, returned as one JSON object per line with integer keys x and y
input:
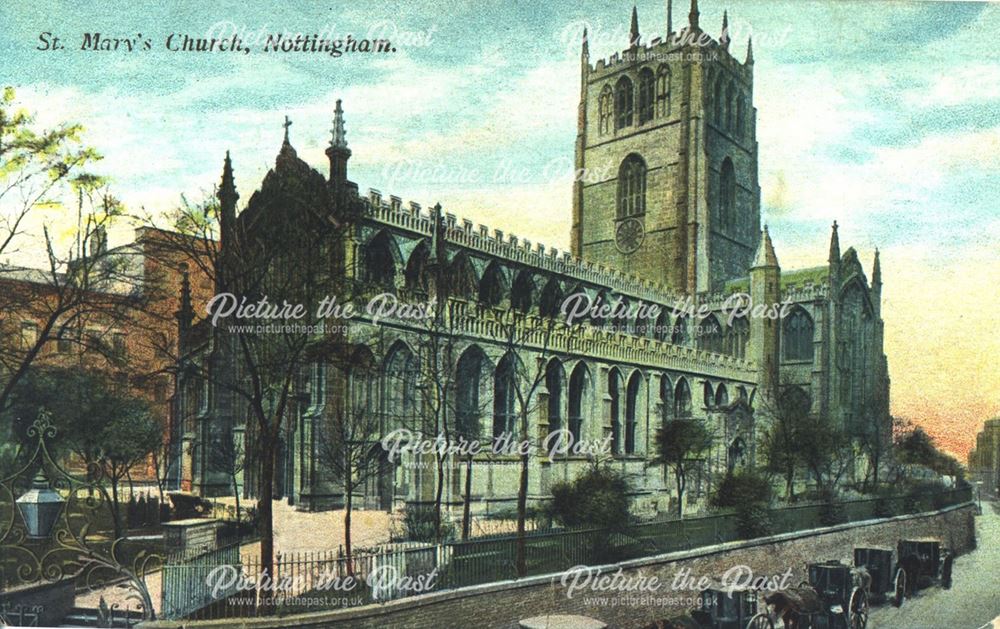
{"x": 882, "y": 115}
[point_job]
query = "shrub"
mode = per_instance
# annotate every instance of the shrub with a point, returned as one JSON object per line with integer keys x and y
{"x": 418, "y": 524}
{"x": 749, "y": 494}
{"x": 597, "y": 498}
{"x": 831, "y": 511}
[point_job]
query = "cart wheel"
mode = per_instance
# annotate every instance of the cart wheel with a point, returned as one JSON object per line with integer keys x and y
{"x": 760, "y": 621}
{"x": 899, "y": 593}
{"x": 946, "y": 572}
{"x": 858, "y": 610}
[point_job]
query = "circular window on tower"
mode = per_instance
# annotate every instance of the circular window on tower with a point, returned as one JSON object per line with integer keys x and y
{"x": 629, "y": 235}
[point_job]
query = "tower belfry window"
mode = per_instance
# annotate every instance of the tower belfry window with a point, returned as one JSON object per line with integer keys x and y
{"x": 647, "y": 84}
{"x": 606, "y": 110}
{"x": 632, "y": 187}
{"x": 663, "y": 91}
{"x": 727, "y": 194}
{"x": 623, "y": 103}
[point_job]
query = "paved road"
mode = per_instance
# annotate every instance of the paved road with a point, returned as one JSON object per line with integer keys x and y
{"x": 974, "y": 599}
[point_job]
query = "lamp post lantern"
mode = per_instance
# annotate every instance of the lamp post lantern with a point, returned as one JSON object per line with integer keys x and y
{"x": 40, "y": 506}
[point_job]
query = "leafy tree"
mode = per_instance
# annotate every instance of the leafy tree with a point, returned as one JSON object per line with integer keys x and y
{"x": 681, "y": 446}
{"x": 39, "y": 170}
{"x": 597, "y": 498}
{"x": 106, "y": 428}
{"x": 128, "y": 438}
{"x": 749, "y": 493}
{"x": 916, "y": 447}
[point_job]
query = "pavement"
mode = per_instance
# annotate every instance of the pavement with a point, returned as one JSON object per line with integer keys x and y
{"x": 973, "y": 602}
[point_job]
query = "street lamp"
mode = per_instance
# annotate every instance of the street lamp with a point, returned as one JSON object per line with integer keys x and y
{"x": 40, "y": 506}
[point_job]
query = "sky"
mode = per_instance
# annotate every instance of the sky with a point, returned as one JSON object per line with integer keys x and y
{"x": 884, "y": 116}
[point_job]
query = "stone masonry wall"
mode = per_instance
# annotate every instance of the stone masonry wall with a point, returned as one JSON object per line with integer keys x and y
{"x": 501, "y": 605}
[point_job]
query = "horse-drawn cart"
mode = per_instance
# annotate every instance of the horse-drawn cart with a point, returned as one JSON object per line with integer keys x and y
{"x": 888, "y": 579}
{"x": 925, "y": 563}
{"x": 834, "y": 597}
{"x": 722, "y": 609}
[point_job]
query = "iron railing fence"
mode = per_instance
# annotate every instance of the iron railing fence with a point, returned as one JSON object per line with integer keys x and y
{"x": 327, "y": 580}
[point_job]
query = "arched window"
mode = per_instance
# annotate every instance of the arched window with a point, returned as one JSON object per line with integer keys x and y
{"x": 681, "y": 334}
{"x": 400, "y": 404}
{"x": 663, "y": 91}
{"x": 631, "y": 186}
{"x": 606, "y": 110}
{"x": 736, "y": 340}
{"x": 623, "y": 103}
{"x": 722, "y": 396}
{"x": 491, "y": 288}
{"x": 550, "y": 303}
{"x": 647, "y": 85}
{"x": 462, "y": 280}
{"x": 505, "y": 397}
{"x": 797, "y": 335}
{"x": 417, "y": 274}
{"x": 471, "y": 378}
{"x": 710, "y": 334}
{"x": 682, "y": 399}
{"x": 662, "y": 330}
{"x": 621, "y": 321}
{"x": 615, "y": 395}
{"x": 522, "y": 294}
{"x": 708, "y": 396}
{"x": 579, "y": 385}
{"x": 361, "y": 382}
{"x": 666, "y": 399}
{"x": 554, "y": 377}
{"x": 730, "y": 106}
{"x": 632, "y": 411}
{"x": 380, "y": 262}
{"x": 727, "y": 194}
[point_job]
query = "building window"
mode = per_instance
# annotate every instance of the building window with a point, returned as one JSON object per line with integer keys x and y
{"x": 550, "y": 303}
{"x": 469, "y": 383}
{"x": 797, "y": 335}
{"x": 682, "y": 399}
{"x": 614, "y": 394}
{"x": 29, "y": 334}
{"x": 605, "y": 110}
{"x": 623, "y": 103}
{"x": 504, "y": 413}
{"x": 380, "y": 262}
{"x": 710, "y": 335}
{"x": 663, "y": 91}
{"x": 647, "y": 84}
{"x": 632, "y": 187}
{"x": 730, "y": 106}
{"x": 64, "y": 343}
{"x": 578, "y": 383}
{"x": 118, "y": 345}
{"x": 554, "y": 384}
{"x": 727, "y": 194}
{"x": 736, "y": 339}
{"x": 631, "y": 411}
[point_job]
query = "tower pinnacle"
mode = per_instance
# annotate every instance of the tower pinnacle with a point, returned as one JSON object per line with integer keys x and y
{"x": 338, "y": 133}
{"x": 633, "y": 38}
{"x": 585, "y": 52}
{"x": 670, "y": 17}
{"x": 724, "y": 36}
{"x": 693, "y": 16}
{"x": 834, "y": 245}
{"x": 749, "y": 60}
{"x": 765, "y": 252}
{"x": 877, "y": 270}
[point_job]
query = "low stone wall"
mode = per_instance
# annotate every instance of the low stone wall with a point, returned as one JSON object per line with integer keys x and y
{"x": 501, "y": 605}
{"x": 41, "y": 605}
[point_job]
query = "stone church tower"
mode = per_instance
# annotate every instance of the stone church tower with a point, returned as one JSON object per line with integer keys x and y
{"x": 666, "y": 160}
